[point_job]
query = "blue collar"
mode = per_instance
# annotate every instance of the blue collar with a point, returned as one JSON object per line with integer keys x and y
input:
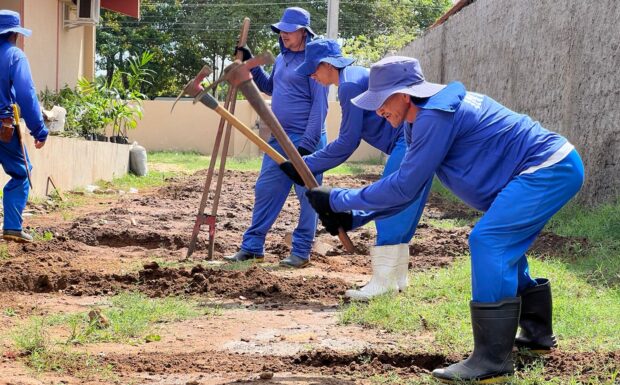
{"x": 449, "y": 99}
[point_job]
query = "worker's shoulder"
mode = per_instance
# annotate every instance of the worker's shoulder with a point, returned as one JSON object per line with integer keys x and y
{"x": 11, "y": 52}
{"x": 350, "y": 89}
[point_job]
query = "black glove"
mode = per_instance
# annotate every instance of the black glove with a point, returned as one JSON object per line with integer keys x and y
{"x": 288, "y": 168}
{"x": 332, "y": 222}
{"x": 319, "y": 199}
{"x": 247, "y": 54}
{"x": 303, "y": 151}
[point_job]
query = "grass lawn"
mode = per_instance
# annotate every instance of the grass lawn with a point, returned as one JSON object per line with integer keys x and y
{"x": 167, "y": 164}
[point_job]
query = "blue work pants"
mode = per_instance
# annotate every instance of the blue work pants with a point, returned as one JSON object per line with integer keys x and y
{"x": 498, "y": 241}
{"x": 15, "y": 193}
{"x": 272, "y": 188}
{"x": 400, "y": 228}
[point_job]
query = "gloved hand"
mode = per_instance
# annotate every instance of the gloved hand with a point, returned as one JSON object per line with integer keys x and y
{"x": 288, "y": 168}
{"x": 319, "y": 199}
{"x": 247, "y": 54}
{"x": 332, "y": 222}
{"x": 303, "y": 151}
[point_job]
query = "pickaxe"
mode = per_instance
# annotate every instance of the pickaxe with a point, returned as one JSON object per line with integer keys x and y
{"x": 239, "y": 76}
{"x": 21, "y": 141}
{"x": 203, "y": 96}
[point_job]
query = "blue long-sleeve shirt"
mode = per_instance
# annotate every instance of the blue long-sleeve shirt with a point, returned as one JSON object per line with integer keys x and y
{"x": 16, "y": 86}
{"x": 356, "y": 124}
{"x": 472, "y": 143}
{"x": 299, "y": 102}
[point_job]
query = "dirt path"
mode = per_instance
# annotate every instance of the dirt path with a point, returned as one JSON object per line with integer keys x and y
{"x": 274, "y": 322}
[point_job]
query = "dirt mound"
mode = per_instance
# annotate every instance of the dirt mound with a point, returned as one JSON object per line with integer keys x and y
{"x": 583, "y": 366}
{"x": 375, "y": 362}
{"x": 557, "y": 365}
{"x": 551, "y": 244}
{"x": 323, "y": 362}
{"x": 433, "y": 247}
{"x": 123, "y": 238}
{"x": 440, "y": 207}
{"x": 255, "y": 284}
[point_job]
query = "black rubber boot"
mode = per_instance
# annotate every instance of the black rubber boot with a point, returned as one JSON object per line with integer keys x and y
{"x": 536, "y": 319}
{"x": 494, "y": 326}
{"x": 242, "y": 256}
{"x": 293, "y": 261}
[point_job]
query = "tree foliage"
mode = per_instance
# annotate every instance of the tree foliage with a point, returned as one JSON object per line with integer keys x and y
{"x": 183, "y": 35}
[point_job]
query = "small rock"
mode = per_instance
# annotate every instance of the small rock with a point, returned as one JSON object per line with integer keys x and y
{"x": 151, "y": 266}
{"x": 266, "y": 375}
{"x": 98, "y": 319}
{"x": 245, "y": 340}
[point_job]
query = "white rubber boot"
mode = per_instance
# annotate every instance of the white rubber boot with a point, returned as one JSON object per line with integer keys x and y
{"x": 402, "y": 271}
{"x": 384, "y": 265}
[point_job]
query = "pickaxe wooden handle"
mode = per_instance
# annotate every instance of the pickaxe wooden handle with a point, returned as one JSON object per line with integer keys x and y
{"x": 21, "y": 141}
{"x": 209, "y": 101}
{"x": 239, "y": 76}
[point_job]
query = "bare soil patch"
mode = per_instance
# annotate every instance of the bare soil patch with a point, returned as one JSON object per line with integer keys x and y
{"x": 136, "y": 243}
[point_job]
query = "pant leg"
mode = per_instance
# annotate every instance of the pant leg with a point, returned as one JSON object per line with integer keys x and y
{"x": 400, "y": 227}
{"x": 500, "y": 239}
{"x": 270, "y": 193}
{"x": 15, "y": 192}
{"x": 303, "y": 235}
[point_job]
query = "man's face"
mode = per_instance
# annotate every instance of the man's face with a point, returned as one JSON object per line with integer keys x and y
{"x": 295, "y": 41}
{"x": 394, "y": 109}
{"x": 322, "y": 73}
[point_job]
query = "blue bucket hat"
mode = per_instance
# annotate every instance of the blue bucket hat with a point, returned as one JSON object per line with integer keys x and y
{"x": 9, "y": 22}
{"x": 319, "y": 51}
{"x": 391, "y": 75}
{"x": 293, "y": 19}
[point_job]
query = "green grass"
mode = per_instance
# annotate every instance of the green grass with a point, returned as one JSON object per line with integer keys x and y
{"x": 601, "y": 227}
{"x": 530, "y": 375}
{"x": 447, "y": 224}
{"x": 132, "y": 319}
{"x": 189, "y": 162}
{"x": 437, "y": 303}
{"x": 4, "y": 252}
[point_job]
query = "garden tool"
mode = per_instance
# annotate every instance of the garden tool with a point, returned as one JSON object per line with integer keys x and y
{"x": 21, "y": 141}
{"x": 193, "y": 88}
{"x": 238, "y": 75}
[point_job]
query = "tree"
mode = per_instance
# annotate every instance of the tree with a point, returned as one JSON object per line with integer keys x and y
{"x": 183, "y": 35}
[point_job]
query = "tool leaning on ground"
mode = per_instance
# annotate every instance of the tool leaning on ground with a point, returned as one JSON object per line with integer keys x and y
{"x": 238, "y": 75}
{"x": 193, "y": 88}
{"x": 18, "y": 132}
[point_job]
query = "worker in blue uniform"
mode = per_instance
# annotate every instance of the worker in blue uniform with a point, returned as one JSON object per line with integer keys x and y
{"x": 16, "y": 87}
{"x": 390, "y": 257}
{"x": 497, "y": 161}
{"x": 300, "y": 104}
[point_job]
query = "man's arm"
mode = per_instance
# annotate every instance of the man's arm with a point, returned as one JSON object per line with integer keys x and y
{"x": 349, "y": 136}
{"x": 27, "y": 100}
{"x": 432, "y": 137}
{"x": 316, "y": 118}
{"x": 263, "y": 80}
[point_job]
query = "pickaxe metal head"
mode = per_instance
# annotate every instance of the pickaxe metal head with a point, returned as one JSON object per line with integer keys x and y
{"x": 238, "y": 72}
{"x": 193, "y": 87}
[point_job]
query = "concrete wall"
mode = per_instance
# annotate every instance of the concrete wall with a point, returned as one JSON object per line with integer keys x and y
{"x": 193, "y": 128}
{"x": 73, "y": 163}
{"x": 556, "y": 61}
{"x": 57, "y": 56}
